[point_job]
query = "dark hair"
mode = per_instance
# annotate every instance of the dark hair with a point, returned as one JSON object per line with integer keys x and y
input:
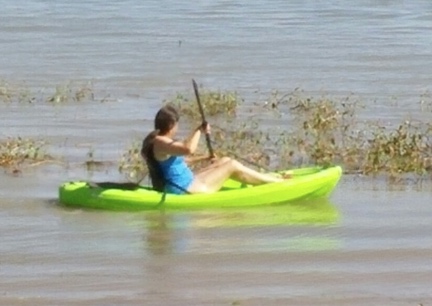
{"x": 165, "y": 119}
{"x": 155, "y": 172}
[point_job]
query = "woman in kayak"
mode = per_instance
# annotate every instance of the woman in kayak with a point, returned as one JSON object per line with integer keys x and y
{"x": 167, "y": 165}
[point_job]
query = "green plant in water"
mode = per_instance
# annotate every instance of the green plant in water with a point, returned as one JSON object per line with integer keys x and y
{"x": 406, "y": 149}
{"x": 91, "y": 163}
{"x": 5, "y": 92}
{"x": 12, "y": 93}
{"x": 327, "y": 132}
{"x": 323, "y": 132}
{"x": 16, "y": 151}
{"x": 243, "y": 141}
{"x": 131, "y": 164}
{"x": 214, "y": 103}
{"x": 71, "y": 93}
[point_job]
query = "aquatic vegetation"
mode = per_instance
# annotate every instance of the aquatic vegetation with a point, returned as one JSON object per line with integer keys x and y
{"x": 245, "y": 141}
{"x": 72, "y": 93}
{"x": 214, "y": 103}
{"x": 6, "y": 93}
{"x": 322, "y": 131}
{"x": 328, "y": 132}
{"x": 311, "y": 131}
{"x": 67, "y": 93}
{"x": 14, "y": 152}
{"x": 131, "y": 164}
{"x": 92, "y": 164}
{"x": 405, "y": 149}
{"x": 10, "y": 93}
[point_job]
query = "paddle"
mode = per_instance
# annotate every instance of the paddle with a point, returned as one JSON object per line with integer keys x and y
{"x": 208, "y": 140}
{"x": 201, "y": 110}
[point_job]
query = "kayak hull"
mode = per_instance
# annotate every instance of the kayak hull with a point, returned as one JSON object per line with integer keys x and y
{"x": 306, "y": 183}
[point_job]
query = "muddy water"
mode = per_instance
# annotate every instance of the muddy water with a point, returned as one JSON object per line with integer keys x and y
{"x": 360, "y": 247}
{"x": 368, "y": 244}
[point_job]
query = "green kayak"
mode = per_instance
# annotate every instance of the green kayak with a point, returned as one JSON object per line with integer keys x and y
{"x": 306, "y": 183}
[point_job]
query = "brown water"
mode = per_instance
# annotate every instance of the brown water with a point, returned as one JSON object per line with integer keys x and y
{"x": 369, "y": 244}
{"x": 364, "y": 246}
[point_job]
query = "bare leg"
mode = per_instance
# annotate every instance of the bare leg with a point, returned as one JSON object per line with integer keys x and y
{"x": 212, "y": 178}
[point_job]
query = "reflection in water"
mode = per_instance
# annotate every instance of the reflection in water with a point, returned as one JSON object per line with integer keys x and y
{"x": 313, "y": 212}
{"x": 159, "y": 237}
{"x": 289, "y": 227}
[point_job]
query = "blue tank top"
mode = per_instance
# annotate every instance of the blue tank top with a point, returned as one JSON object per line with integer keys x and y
{"x": 177, "y": 174}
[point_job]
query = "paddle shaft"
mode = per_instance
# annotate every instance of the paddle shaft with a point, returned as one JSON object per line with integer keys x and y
{"x": 201, "y": 110}
{"x": 208, "y": 140}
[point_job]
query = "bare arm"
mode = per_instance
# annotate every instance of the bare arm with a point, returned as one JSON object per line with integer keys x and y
{"x": 164, "y": 145}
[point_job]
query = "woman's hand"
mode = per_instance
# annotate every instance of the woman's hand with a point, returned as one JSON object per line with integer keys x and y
{"x": 213, "y": 158}
{"x": 204, "y": 128}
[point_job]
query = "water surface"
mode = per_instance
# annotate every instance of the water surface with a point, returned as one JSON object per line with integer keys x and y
{"x": 369, "y": 244}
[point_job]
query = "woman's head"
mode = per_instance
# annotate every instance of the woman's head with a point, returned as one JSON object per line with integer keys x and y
{"x": 166, "y": 118}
